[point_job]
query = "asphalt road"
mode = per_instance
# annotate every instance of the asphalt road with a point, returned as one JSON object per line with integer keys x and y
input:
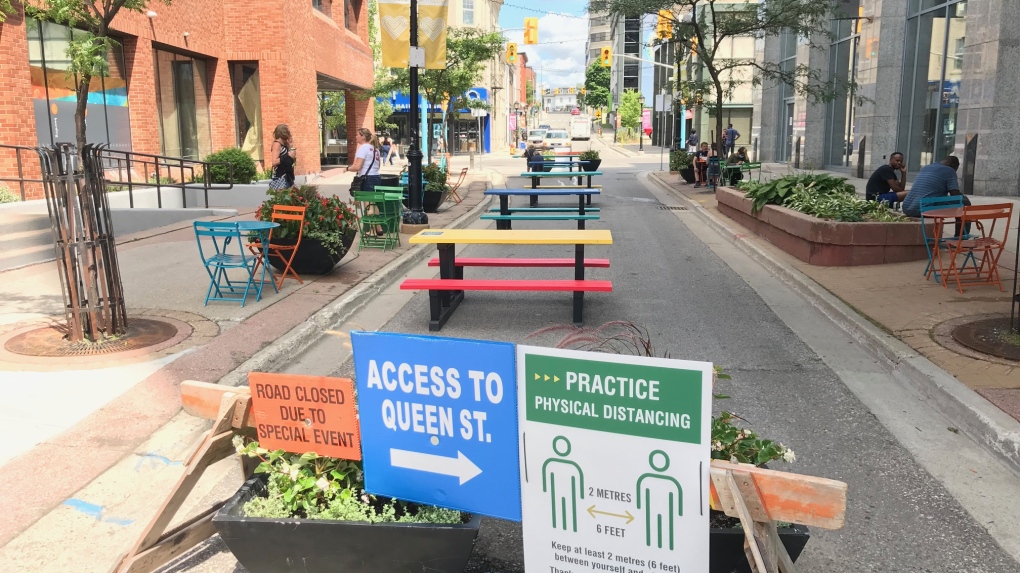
{"x": 676, "y": 279}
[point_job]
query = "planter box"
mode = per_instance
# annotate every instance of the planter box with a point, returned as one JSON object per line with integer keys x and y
{"x": 324, "y": 546}
{"x": 826, "y": 243}
{"x": 726, "y": 547}
{"x": 312, "y": 258}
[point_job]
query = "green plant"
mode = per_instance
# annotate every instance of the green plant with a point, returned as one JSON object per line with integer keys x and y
{"x": 162, "y": 180}
{"x": 267, "y": 174}
{"x": 310, "y": 486}
{"x": 589, "y": 155}
{"x": 327, "y": 219}
{"x": 776, "y": 191}
{"x": 435, "y": 178}
{"x": 819, "y": 195}
{"x": 8, "y": 196}
{"x": 729, "y": 442}
{"x": 679, "y": 160}
{"x": 231, "y": 165}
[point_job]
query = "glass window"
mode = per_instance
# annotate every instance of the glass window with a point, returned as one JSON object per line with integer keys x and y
{"x": 244, "y": 79}
{"x": 469, "y": 11}
{"x": 182, "y": 99}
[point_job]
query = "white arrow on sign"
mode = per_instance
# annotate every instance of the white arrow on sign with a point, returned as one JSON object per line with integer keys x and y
{"x": 460, "y": 466}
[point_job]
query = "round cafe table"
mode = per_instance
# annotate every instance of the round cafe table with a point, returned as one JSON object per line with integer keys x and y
{"x": 939, "y": 216}
{"x": 262, "y": 229}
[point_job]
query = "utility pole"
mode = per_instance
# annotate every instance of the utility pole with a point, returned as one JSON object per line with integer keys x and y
{"x": 416, "y": 214}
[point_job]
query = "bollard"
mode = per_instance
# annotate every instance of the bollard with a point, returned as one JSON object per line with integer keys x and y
{"x": 969, "y": 160}
{"x": 860, "y": 157}
{"x": 471, "y": 157}
{"x": 754, "y": 151}
{"x": 796, "y": 154}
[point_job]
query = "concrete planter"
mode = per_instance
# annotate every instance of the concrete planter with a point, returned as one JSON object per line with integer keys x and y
{"x": 826, "y": 243}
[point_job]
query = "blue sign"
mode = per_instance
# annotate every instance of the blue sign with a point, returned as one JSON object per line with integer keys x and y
{"x": 439, "y": 421}
{"x": 401, "y": 102}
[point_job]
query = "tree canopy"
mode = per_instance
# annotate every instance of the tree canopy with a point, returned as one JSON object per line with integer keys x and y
{"x": 630, "y": 109}
{"x": 596, "y": 84}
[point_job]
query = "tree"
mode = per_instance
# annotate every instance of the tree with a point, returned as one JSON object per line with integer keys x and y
{"x": 529, "y": 93}
{"x": 596, "y": 84}
{"x": 88, "y": 51}
{"x": 381, "y": 114}
{"x": 630, "y": 109}
{"x": 467, "y": 51}
{"x": 700, "y": 29}
{"x": 332, "y": 113}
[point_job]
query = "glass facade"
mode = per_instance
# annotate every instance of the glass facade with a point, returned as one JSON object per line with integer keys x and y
{"x": 469, "y": 12}
{"x": 841, "y": 129}
{"x": 788, "y": 62}
{"x": 933, "y": 68}
{"x": 107, "y": 118}
{"x": 244, "y": 80}
{"x": 182, "y": 97}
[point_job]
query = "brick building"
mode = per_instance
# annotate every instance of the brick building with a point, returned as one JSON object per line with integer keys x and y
{"x": 192, "y": 78}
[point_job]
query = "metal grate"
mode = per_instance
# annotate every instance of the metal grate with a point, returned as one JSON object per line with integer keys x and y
{"x": 52, "y": 341}
{"x": 671, "y": 208}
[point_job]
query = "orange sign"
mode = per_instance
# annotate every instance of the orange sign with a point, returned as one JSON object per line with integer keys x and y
{"x": 306, "y": 414}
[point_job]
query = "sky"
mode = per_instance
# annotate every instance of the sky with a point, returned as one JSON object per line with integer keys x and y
{"x": 558, "y": 58}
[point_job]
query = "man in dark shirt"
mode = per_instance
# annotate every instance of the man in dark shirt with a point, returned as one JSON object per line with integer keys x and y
{"x": 883, "y": 184}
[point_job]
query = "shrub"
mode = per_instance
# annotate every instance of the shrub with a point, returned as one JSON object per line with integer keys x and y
{"x": 435, "y": 178}
{"x": 241, "y": 169}
{"x": 819, "y": 195}
{"x": 589, "y": 155}
{"x": 8, "y": 196}
{"x": 327, "y": 219}
{"x": 679, "y": 160}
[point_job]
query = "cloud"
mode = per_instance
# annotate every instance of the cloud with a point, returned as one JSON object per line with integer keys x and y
{"x": 558, "y": 58}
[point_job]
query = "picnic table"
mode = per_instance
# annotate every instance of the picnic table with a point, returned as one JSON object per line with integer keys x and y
{"x": 537, "y": 176}
{"x": 447, "y": 292}
{"x": 569, "y": 164}
{"x": 507, "y": 215}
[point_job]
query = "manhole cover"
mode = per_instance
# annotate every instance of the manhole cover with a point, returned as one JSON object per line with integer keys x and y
{"x": 49, "y": 340}
{"x": 672, "y": 208}
{"x": 990, "y": 336}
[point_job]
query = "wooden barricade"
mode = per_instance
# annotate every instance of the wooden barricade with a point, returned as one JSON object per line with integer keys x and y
{"x": 757, "y": 497}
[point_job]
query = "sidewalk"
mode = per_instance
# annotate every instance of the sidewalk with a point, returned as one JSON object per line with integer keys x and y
{"x": 898, "y": 299}
{"x": 57, "y": 408}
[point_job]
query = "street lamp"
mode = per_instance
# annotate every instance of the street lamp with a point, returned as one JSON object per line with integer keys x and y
{"x": 641, "y": 130}
{"x": 415, "y": 214}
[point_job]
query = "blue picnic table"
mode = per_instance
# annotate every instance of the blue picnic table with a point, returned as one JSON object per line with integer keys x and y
{"x": 506, "y": 214}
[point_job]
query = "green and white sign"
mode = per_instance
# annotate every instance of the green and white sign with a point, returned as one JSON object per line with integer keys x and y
{"x": 614, "y": 462}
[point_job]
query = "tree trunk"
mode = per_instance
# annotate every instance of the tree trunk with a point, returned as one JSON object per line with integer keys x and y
{"x": 82, "y": 95}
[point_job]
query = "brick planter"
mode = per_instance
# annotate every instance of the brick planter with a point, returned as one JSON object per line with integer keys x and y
{"x": 826, "y": 243}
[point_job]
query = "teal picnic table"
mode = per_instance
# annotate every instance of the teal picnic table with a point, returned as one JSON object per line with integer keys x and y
{"x": 537, "y": 176}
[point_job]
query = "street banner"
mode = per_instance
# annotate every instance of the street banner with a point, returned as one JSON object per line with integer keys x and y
{"x": 301, "y": 414}
{"x": 432, "y": 16}
{"x": 615, "y": 456}
{"x": 646, "y": 121}
{"x": 439, "y": 419}
{"x": 395, "y": 39}
{"x": 512, "y": 118}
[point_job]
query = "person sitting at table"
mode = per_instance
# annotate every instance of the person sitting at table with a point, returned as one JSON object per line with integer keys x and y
{"x": 737, "y": 158}
{"x": 883, "y": 185}
{"x": 935, "y": 180}
{"x": 701, "y": 165}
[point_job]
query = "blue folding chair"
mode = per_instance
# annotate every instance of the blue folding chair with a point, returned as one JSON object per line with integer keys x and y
{"x": 220, "y": 261}
{"x": 931, "y": 204}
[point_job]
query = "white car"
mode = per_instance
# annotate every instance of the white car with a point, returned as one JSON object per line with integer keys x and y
{"x": 558, "y": 140}
{"x": 536, "y": 137}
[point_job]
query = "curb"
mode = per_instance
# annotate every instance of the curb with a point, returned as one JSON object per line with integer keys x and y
{"x": 301, "y": 337}
{"x": 985, "y": 423}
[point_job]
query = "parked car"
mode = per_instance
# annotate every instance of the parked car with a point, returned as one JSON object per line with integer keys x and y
{"x": 575, "y": 111}
{"x": 545, "y": 126}
{"x": 558, "y": 140}
{"x": 536, "y": 137}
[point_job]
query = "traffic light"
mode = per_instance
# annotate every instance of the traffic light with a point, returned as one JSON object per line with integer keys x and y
{"x": 598, "y": 114}
{"x": 531, "y": 30}
{"x": 556, "y": 91}
{"x": 571, "y": 90}
{"x": 584, "y": 91}
{"x": 664, "y": 28}
{"x": 511, "y": 52}
{"x": 606, "y": 58}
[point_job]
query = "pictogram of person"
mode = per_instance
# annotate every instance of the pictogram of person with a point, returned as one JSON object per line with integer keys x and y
{"x": 564, "y": 481}
{"x": 662, "y": 497}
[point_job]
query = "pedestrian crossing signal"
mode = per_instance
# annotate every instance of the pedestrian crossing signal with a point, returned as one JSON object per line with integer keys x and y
{"x": 606, "y": 57}
{"x": 664, "y": 28}
{"x": 511, "y": 52}
{"x": 531, "y": 30}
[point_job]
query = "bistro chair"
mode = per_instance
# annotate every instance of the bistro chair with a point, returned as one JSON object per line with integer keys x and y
{"x": 220, "y": 260}
{"x": 288, "y": 217}
{"x": 987, "y": 247}
{"x": 453, "y": 188}
{"x": 932, "y": 204}
{"x": 376, "y": 212}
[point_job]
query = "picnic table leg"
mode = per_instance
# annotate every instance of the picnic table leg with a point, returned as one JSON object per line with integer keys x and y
{"x": 580, "y": 211}
{"x": 579, "y": 276}
{"x": 504, "y": 209}
{"x": 534, "y": 198}
{"x": 442, "y": 302}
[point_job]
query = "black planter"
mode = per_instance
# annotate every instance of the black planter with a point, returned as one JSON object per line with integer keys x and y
{"x": 322, "y": 546}
{"x": 687, "y": 174}
{"x": 593, "y": 165}
{"x": 726, "y": 547}
{"x": 312, "y": 258}
{"x": 431, "y": 201}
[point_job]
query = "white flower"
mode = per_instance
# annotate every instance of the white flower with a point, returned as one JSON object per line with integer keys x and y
{"x": 293, "y": 474}
{"x": 322, "y": 484}
{"x": 733, "y": 460}
{"x": 789, "y": 456}
{"x": 238, "y": 442}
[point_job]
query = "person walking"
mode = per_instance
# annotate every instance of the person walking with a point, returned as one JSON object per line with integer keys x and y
{"x": 367, "y": 159}
{"x": 692, "y": 141}
{"x": 730, "y": 137}
{"x": 384, "y": 150}
{"x": 283, "y": 155}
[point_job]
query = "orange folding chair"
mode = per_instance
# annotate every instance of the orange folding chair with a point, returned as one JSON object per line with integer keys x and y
{"x": 453, "y": 190}
{"x": 986, "y": 249}
{"x": 284, "y": 215}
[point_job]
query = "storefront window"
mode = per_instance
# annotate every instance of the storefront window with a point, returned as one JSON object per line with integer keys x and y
{"x": 931, "y": 86}
{"x": 53, "y": 91}
{"x": 840, "y": 125}
{"x": 244, "y": 79}
{"x": 182, "y": 96}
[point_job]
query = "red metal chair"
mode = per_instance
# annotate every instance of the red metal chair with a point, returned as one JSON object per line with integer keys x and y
{"x": 285, "y": 215}
{"x": 453, "y": 189}
{"x": 987, "y": 248}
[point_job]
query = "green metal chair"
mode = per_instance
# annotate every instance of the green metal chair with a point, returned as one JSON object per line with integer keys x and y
{"x": 377, "y": 211}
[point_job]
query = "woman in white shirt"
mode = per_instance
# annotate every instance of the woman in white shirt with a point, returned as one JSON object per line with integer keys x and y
{"x": 367, "y": 159}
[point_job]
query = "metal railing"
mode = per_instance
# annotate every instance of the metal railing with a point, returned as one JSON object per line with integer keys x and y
{"x": 128, "y": 170}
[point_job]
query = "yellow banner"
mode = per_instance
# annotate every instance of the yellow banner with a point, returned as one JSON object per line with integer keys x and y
{"x": 432, "y": 15}
{"x": 395, "y": 33}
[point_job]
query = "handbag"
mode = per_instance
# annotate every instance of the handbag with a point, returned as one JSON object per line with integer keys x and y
{"x": 358, "y": 183}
